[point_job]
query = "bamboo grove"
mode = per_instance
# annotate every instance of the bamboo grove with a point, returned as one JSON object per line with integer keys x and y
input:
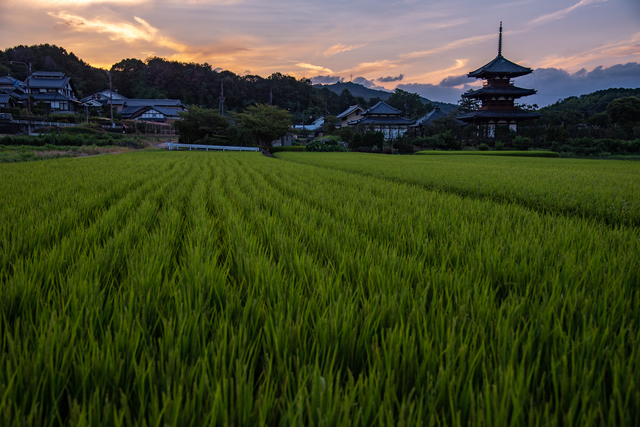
{"x": 192, "y": 288}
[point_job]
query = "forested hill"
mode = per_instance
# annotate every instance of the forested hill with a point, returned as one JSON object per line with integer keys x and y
{"x": 595, "y": 102}
{"x": 191, "y": 83}
{"x": 45, "y": 57}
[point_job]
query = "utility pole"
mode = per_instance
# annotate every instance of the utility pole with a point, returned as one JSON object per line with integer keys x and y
{"x": 28, "y": 65}
{"x": 270, "y": 96}
{"x": 221, "y": 104}
{"x": 110, "y": 97}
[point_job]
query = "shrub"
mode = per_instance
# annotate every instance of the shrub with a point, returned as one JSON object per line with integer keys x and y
{"x": 79, "y": 130}
{"x": 286, "y": 148}
{"x": 320, "y": 146}
{"x": 420, "y": 142}
{"x": 345, "y": 134}
{"x": 373, "y": 139}
{"x": 483, "y": 147}
{"x": 356, "y": 142}
{"x": 522, "y": 143}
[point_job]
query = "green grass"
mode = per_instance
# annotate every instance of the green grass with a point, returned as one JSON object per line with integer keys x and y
{"x": 604, "y": 190}
{"x": 190, "y": 288}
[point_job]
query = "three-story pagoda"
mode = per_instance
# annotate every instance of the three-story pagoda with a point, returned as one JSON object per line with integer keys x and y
{"x": 498, "y": 95}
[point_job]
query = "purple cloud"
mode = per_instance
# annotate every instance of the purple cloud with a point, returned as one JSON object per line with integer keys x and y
{"x": 390, "y": 79}
{"x": 326, "y": 80}
{"x": 454, "y": 81}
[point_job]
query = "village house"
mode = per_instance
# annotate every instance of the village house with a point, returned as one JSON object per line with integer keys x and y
{"x": 150, "y": 110}
{"x": 351, "y": 114}
{"x": 384, "y": 118}
{"x": 10, "y": 91}
{"x": 53, "y": 89}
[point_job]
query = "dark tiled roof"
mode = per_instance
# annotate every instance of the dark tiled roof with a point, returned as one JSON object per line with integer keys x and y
{"x": 48, "y": 74}
{"x": 436, "y": 113}
{"x": 168, "y": 111}
{"x": 35, "y": 82}
{"x": 153, "y": 102}
{"x": 512, "y": 91}
{"x": 8, "y": 81}
{"x": 500, "y": 66}
{"x": 382, "y": 108}
{"x": 49, "y": 97}
{"x": 498, "y": 114}
{"x": 129, "y": 111}
{"x": 349, "y": 111}
{"x": 5, "y": 98}
{"x": 384, "y": 121}
{"x": 105, "y": 95}
{"x": 136, "y": 111}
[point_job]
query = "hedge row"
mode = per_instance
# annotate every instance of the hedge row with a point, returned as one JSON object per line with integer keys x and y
{"x": 62, "y": 139}
{"x": 493, "y": 153}
{"x": 286, "y": 148}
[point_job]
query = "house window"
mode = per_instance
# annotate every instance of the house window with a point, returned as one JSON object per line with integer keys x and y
{"x": 151, "y": 115}
{"x": 55, "y": 105}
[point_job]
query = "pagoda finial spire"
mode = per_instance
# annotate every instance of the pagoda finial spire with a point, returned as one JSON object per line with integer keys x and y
{"x": 500, "y": 40}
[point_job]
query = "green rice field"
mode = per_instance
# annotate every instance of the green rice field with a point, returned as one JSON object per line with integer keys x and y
{"x": 319, "y": 289}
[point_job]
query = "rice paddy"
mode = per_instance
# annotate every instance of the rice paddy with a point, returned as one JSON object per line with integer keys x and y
{"x": 192, "y": 288}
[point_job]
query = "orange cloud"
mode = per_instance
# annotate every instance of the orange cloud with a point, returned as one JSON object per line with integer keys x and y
{"x": 449, "y": 46}
{"x": 630, "y": 47}
{"x": 438, "y": 75}
{"x": 120, "y": 30}
{"x": 365, "y": 68}
{"x": 312, "y": 67}
{"x": 562, "y": 13}
{"x": 341, "y": 48}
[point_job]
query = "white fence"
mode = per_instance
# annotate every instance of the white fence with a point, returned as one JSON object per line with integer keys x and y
{"x": 43, "y": 123}
{"x": 176, "y": 146}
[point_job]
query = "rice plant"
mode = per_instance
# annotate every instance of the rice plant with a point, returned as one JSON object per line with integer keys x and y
{"x": 192, "y": 288}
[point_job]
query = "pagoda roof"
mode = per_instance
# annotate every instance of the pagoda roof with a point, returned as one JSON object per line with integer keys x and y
{"x": 515, "y": 113}
{"x": 500, "y": 66}
{"x": 514, "y": 91}
{"x": 382, "y": 108}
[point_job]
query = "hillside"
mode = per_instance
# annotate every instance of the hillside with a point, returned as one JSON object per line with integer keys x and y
{"x": 592, "y": 103}
{"x": 45, "y": 57}
{"x": 360, "y": 90}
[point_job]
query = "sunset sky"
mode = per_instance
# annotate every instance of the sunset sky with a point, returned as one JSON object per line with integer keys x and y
{"x": 426, "y": 46}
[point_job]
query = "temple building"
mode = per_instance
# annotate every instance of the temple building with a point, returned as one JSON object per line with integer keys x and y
{"x": 384, "y": 118}
{"x": 497, "y": 95}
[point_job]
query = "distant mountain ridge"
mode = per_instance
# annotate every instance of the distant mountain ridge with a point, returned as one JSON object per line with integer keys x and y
{"x": 357, "y": 89}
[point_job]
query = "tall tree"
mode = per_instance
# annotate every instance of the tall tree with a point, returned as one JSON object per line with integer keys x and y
{"x": 624, "y": 112}
{"x": 199, "y": 123}
{"x": 407, "y": 102}
{"x": 467, "y": 105}
{"x": 266, "y": 122}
